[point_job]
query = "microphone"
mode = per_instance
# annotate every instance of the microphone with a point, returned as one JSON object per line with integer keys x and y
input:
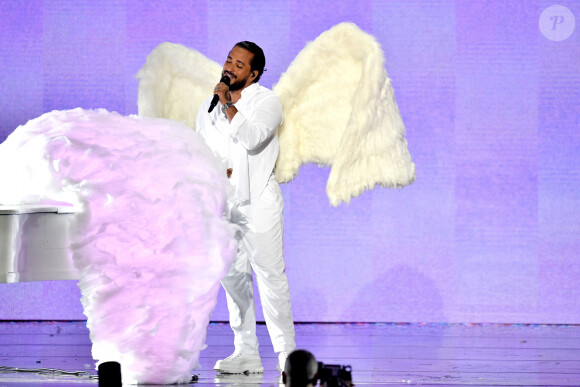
{"x": 216, "y": 97}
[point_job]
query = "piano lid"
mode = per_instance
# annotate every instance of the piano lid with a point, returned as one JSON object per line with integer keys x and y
{"x": 63, "y": 208}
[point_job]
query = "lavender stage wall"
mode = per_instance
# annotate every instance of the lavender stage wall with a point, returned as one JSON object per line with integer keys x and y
{"x": 488, "y": 233}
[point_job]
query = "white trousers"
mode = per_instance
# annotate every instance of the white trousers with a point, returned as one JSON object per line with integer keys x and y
{"x": 260, "y": 249}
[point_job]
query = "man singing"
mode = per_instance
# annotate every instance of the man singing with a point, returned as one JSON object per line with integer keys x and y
{"x": 242, "y": 130}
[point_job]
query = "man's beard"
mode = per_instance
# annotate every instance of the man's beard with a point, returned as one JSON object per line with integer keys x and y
{"x": 238, "y": 84}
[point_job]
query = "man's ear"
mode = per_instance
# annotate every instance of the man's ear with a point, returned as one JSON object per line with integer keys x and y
{"x": 254, "y": 73}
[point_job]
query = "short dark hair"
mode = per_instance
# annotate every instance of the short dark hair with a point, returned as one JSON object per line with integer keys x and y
{"x": 258, "y": 61}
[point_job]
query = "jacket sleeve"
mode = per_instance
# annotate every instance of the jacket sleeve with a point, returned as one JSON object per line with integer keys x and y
{"x": 254, "y": 131}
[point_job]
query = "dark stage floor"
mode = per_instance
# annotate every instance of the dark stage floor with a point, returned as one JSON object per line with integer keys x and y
{"x": 380, "y": 354}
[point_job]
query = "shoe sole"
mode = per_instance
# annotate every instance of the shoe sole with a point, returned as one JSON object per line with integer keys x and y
{"x": 239, "y": 371}
{"x": 247, "y": 368}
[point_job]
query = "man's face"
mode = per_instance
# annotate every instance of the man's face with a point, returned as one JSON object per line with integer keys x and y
{"x": 237, "y": 68}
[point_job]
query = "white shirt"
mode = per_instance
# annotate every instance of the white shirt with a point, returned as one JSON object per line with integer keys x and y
{"x": 249, "y": 143}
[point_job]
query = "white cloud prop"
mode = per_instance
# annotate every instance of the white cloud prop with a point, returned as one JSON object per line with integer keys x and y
{"x": 149, "y": 239}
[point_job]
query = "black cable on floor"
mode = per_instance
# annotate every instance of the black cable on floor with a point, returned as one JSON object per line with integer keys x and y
{"x": 54, "y": 371}
{"x": 49, "y": 371}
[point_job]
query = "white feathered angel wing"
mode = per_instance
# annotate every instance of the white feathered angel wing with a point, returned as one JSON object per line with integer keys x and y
{"x": 339, "y": 109}
{"x": 174, "y": 81}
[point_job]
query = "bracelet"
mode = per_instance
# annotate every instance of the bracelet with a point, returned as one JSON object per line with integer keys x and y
{"x": 226, "y": 106}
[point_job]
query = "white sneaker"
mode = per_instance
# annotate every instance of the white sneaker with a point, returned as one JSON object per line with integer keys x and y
{"x": 238, "y": 363}
{"x": 282, "y": 356}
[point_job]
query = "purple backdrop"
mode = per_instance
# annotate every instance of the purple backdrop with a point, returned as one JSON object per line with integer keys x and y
{"x": 488, "y": 233}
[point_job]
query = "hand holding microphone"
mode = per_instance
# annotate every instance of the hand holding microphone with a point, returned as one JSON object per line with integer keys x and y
{"x": 216, "y": 97}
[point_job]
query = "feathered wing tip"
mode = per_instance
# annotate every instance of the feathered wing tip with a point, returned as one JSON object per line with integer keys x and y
{"x": 174, "y": 81}
{"x": 340, "y": 110}
{"x": 372, "y": 153}
{"x": 373, "y": 150}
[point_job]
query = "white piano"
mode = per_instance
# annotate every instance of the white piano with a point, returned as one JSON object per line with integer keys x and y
{"x": 34, "y": 243}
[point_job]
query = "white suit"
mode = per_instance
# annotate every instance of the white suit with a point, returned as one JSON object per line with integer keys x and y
{"x": 249, "y": 145}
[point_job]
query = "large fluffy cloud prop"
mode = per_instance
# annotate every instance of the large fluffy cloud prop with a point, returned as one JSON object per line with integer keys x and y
{"x": 149, "y": 238}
